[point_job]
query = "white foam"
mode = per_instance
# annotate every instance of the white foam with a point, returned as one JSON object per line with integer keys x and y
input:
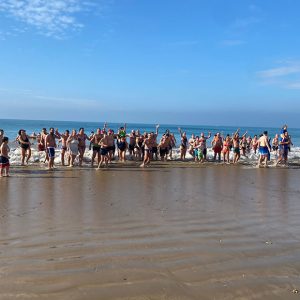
{"x": 39, "y": 157}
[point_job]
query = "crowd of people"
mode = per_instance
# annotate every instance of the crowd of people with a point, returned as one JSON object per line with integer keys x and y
{"x": 105, "y": 145}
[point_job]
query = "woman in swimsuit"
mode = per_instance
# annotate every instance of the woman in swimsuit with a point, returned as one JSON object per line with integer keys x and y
{"x": 122, "y": 145}
{"x": 226, "y": 149}
{"x": 243, "y": 145}
{"x": 73, "y": 146}
{"x": 24, "y": 142}
{"x": 191, "y": 143}
{"x": 254, "y": 144}
{"x": 275, "y": 145}
{"x": 138, "y": 149}
{"x": 82, "y": 137}
{"x": 183, "y": 144}
{"x": 111, "y": 145}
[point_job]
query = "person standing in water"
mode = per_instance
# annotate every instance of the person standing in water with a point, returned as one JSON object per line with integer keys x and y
{"x": 183, "y": 144}
{"x": 95, "y": 140}
{"x": 50, "y": 146}
{"x": 226, "y": 149}
{"x": 63, "y": 138}
{"x": 82, "y": 137}
{"x": 284, "y": 149}
{"x": 73, "y": 143}
{"x": 264, "y": 149}
{"x": 25, "y": 144}
{"x": 202, "y": 145}
{"x": 1, "y": 136}
{"x": 104, "y": 149}
{"x": 217, "y": 145}
{"x": 4, "y": 158}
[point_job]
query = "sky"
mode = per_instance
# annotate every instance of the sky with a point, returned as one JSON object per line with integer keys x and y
{"x": 199, "y": 62}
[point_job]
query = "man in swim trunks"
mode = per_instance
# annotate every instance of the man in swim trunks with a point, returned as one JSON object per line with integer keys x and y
{"x": 4, "y": 158}
{"x": 202, "y": 143}
{"x": 163, "y": 146}
{"x": 50, "y": 146}
{"x": 95, "y": 140}
{"x": 63, "y": 138}
{"x": 264, "y": 149}
{"x": 148, "y": 144}
{"x": 217, "y": 145}
{"x": 236, "y": 145}
{"x": 103, "y": 150}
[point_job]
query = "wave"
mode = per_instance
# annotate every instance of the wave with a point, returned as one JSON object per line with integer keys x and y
{"x": 38, "y": 157}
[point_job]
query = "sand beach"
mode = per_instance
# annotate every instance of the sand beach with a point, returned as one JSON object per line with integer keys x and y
{"x": 164, "y": 232}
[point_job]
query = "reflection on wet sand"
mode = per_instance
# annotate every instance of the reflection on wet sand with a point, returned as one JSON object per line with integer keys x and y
{"x": 171, "y": 233}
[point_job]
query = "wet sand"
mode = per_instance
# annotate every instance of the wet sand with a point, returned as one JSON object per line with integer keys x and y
{"x": 155, "y": 233}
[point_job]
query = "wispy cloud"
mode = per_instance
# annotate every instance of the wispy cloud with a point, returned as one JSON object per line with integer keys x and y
{"x": 280, "y": 71}
{"x": 286, "y": 76}
{"x": 50, "y": 17}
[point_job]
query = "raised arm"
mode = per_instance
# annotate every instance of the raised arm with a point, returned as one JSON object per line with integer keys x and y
{"x": 180, "y": 131}
{"x": 156, "y": 131}
{"x": 244, "y": 134}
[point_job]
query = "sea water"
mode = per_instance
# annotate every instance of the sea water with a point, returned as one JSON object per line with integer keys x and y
{"x": 11, "y": 128}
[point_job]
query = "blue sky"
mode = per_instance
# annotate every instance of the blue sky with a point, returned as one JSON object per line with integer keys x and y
{"x": 221, "y": 62}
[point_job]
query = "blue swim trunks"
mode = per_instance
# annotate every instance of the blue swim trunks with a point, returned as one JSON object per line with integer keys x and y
{"x": 51, "y": 152}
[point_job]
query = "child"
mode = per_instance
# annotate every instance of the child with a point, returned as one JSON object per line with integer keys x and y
{"x": 4, "y": 158}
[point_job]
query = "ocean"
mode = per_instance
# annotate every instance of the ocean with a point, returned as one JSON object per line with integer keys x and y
{"x": 11, "y": 128}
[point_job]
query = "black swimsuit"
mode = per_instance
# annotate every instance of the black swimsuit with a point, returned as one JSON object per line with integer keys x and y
{"x": 25, "y": 146}
{"x": 122, "y": 146}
